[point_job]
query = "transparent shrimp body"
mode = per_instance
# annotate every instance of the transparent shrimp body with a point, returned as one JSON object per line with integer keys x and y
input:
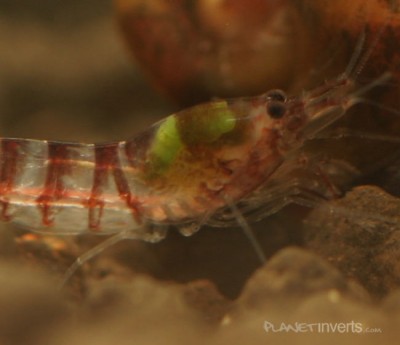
{"x": 181, "y": 170}
{"x": 175, "y": 171}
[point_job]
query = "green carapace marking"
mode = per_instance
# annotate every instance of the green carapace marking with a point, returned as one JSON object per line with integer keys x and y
{"x": 202, "y": 124}
{"x": 206, "y": 123}
{"x": 166, "y": 146}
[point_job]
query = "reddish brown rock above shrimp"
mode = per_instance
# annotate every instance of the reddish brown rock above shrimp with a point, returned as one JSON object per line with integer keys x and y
{"x": 194, "y": 50}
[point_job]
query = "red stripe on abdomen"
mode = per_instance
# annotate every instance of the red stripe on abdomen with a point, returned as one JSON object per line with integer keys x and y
{"x": 107, "y": 164}
{"x": 58, "y": 165}
{"x": 9, "y": 162}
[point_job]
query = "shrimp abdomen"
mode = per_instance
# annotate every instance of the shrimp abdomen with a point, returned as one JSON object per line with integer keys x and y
{"x": 65, "y": 187}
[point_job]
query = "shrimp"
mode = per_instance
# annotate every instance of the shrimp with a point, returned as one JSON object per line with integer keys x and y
{"x": 204, "y": 165}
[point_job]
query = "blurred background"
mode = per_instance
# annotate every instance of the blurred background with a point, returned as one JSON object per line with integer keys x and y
{"x": 65, "y": 74}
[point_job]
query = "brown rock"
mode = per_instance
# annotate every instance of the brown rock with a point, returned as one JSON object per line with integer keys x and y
{"x": 359, "y": 234}
{"x": 290, "y": 276}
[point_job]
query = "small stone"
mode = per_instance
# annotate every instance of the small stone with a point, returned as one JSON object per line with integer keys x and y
{"x": 360, "y": 235}
{"x": 203, "y": 296}
{"x": 292, "y": 275}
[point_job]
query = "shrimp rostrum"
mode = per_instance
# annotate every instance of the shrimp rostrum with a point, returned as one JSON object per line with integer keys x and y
{"x": 185, "y": 171}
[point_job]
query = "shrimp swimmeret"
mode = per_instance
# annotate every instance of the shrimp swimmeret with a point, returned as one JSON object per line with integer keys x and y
{"x": 184, "y": 171}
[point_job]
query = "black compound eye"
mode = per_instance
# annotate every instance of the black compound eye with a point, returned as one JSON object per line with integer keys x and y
{"x": 276, "y": 109}
{"x": 276, "y": 95}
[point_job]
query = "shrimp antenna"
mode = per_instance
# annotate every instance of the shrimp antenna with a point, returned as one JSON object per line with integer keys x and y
{"x": 91, "y": 253}
{"x": 356, "y": 96}
{"x": 247, "y": 230}
{"x": 380, "y": 106}
{"x": 361, "y": 60}
{"x": 356, "y": 55}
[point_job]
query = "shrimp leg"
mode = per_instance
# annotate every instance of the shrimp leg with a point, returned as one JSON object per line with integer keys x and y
{"x": 91, "y": 253}
{"x": 247, "y": 230}
{"x": 153, "y": 234}
{"x": 306, "y": 182}
{"x": 295, "y": 191}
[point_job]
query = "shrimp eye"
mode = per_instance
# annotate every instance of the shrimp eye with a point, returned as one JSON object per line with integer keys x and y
{"x": 276, "y": 95}
{"x": 276, "y": 109}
